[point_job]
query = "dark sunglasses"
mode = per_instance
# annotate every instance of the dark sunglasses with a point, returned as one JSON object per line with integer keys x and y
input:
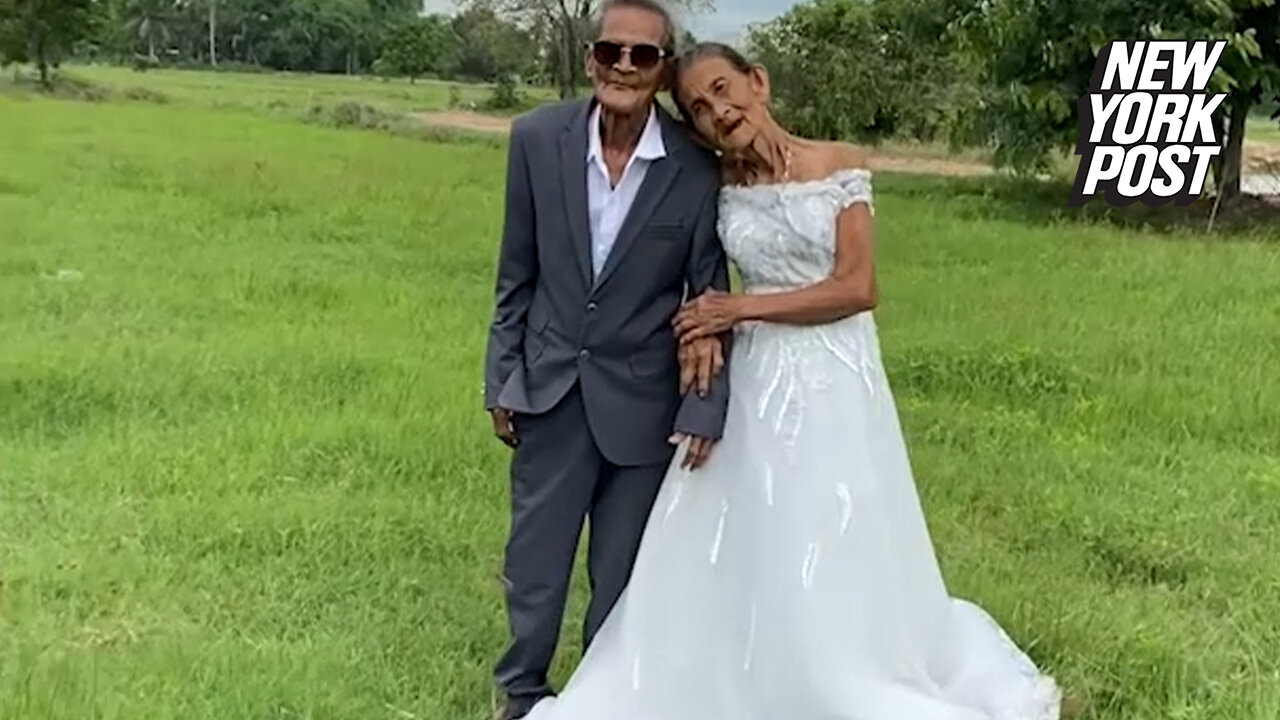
{"x": 642, "y": 56}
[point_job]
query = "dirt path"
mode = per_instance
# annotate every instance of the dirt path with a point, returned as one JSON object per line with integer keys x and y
{"x": 1263, "y": 158}
{"x": 465, "y": 121}
{"x": 877, "y": 161}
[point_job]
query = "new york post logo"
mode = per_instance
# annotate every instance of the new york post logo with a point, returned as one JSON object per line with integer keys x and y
{"x": 1146, "y": 124}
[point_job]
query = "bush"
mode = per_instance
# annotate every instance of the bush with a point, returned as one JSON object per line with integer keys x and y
{"x": 143, "y": 63}
{"x": 71, "y": 88}
{"x": 506, "y": 95}
{"x": 145, "y": 95}
{"x": 228, "y": 66}
{"x": 351, "y": 115}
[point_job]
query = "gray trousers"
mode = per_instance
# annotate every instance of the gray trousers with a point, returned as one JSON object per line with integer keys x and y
{"x": 559, "y": 479}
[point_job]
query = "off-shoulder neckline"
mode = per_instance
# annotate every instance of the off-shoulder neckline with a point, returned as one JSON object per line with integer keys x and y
{"x": 833, "y": 177}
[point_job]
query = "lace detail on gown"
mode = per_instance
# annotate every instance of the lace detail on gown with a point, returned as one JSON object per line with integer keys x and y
{"x": 782, "y": 236}
{"x": 793, "y": 575}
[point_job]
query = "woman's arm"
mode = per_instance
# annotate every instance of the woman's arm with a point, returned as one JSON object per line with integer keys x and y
{"x": 849, "y": 290}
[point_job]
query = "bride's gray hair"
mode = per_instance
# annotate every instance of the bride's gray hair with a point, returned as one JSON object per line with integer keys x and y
{"x": 715, "y": 49}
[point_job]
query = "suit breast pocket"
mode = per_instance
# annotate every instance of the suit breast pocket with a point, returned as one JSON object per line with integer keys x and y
{"x": 666, "y": 232}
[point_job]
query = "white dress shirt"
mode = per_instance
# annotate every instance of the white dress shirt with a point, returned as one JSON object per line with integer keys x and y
{"x": 608, "y": 206}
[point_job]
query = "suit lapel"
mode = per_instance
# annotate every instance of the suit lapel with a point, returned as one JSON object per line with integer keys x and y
{"x": 657, "y": 183}
{"x": 573, "y": 159}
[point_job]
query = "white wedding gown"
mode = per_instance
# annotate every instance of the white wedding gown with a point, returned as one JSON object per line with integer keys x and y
{"x": 793, "y": 576}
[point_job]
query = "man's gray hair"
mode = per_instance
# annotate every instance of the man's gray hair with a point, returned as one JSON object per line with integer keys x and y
{"x": 653, "y": 6}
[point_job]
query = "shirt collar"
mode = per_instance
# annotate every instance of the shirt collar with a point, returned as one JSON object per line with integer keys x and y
{"x": 651, "y": 146}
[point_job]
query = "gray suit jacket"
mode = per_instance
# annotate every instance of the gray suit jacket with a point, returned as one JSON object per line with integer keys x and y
{"x": 555, "y": 325}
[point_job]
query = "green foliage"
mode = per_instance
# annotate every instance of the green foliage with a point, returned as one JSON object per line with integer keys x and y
{"x": 43, "y": 31}
{"x": 491, "y": 45}
{"x": 148, "y": 22}
{"x": 1003, "y": 74}
{"x": 506, "y": 94}
{"x": 327, "y": 36}
{"x": 419, "y": 46}
{"x": 856, "y": 70}
{"x": 351, "y": 114}
{"x": 13, "y": 37}
{"x": 145, "y": 94}
{"x": 1035, "y": 60}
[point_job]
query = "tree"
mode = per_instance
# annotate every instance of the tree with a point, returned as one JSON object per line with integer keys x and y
{"x": 13, "y": 39}
{"x": 1252, "y": 74}
{"x": 850, "y": 69}
{"x": 418, "y": 46}
{"x": 490, "y": 45}
{"x": 326, "y": 36}
{"x": 1035, "y": 60}
{"x": 149, "y": 22}
{"x": 43, "y": 31}
{"x": 213, "y": 31}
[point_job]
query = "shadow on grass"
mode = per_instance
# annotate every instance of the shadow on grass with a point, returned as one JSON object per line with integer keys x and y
{"x": 1044, "y": 202}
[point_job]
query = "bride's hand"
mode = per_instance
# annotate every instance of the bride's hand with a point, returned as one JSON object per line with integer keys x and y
{"x": 711, "y": 313}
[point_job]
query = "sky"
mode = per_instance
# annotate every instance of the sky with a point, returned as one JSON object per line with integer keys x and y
{"x": 725, "y": 24}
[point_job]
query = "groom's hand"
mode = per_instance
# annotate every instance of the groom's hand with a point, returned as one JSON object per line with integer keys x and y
{"x": 700, "y": 361}
{"x": 698, "y": 452}
{"x": 503, "y": 427}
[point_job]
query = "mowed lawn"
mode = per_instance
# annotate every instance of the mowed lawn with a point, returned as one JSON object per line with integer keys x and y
{"x": 244, "y": 471}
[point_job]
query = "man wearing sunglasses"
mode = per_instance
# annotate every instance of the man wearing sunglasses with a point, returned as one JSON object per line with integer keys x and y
{"x": 610, "y": 224}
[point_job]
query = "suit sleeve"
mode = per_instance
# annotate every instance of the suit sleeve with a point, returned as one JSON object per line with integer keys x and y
{"x": 517, "y": 275}
{"x": 707, "y": 268}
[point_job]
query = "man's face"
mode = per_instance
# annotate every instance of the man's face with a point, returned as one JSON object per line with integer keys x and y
{"x": 628, "y": 86}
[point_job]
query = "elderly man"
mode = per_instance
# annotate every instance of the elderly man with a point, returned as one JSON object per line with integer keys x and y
{"x": 610, "y": 225}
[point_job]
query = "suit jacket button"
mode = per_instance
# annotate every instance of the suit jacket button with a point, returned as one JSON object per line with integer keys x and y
{"x": 591, "y": 307}
{"x": 584, "y": 353}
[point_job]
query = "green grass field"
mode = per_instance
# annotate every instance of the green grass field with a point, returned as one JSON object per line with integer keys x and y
{"x": 244, "y": 471}
{"x": 274, "y": 91}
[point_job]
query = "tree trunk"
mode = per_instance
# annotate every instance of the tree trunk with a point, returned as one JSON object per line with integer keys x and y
{"x": 213, "y": 33}
{"x": 1233, "y": 153}
{"x": 1220, "y": 125}
{"x": 37, "y": 45}
{"x": 151, "y": 48}
{"x": 567, "y": 55}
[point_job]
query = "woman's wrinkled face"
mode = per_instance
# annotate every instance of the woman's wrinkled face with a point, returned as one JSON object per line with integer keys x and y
{"x": 728, "y": 106}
